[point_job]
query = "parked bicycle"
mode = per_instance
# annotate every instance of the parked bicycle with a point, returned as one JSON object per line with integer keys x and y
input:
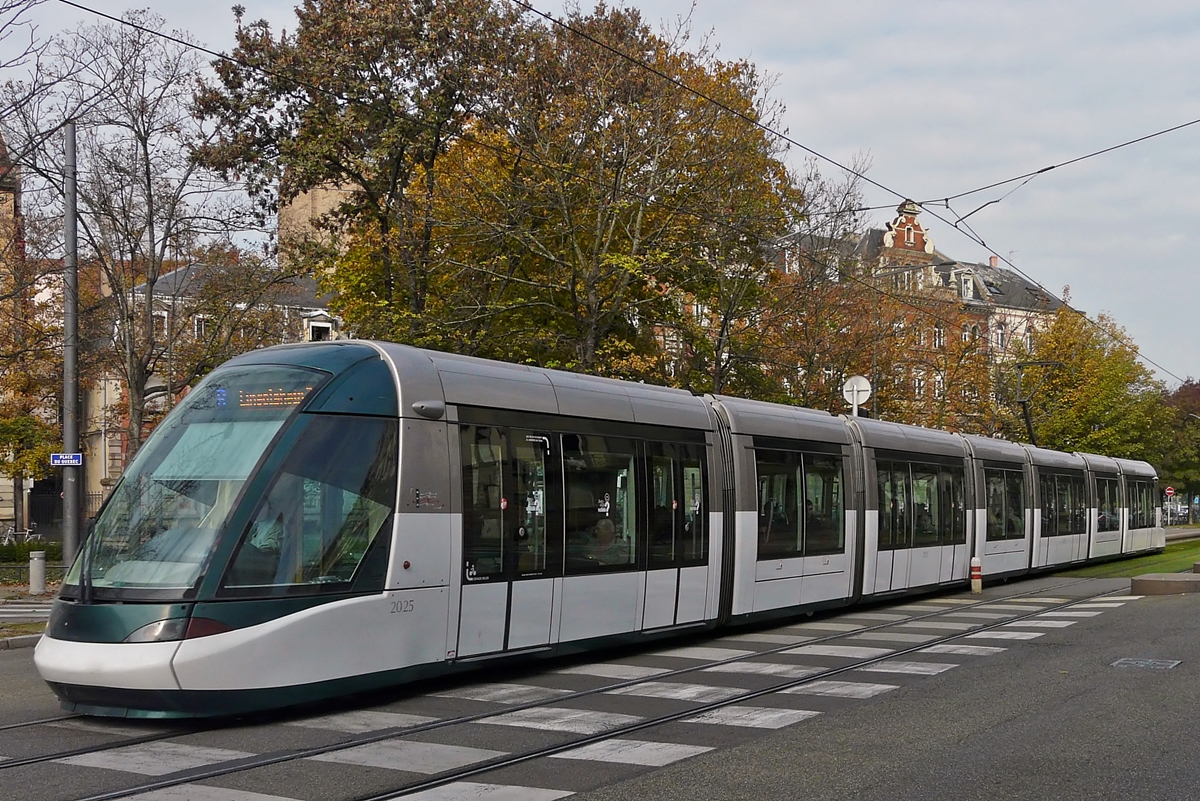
{"x": 12, "y": 536}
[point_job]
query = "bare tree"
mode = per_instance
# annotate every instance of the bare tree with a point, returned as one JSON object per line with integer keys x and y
{"x": 147, "y": 210}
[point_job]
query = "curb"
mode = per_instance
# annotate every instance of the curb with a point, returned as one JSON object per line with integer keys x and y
{"x": 24, "y": 641}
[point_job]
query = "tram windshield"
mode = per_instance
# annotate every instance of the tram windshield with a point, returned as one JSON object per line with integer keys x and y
{"x": 158, "y": 529}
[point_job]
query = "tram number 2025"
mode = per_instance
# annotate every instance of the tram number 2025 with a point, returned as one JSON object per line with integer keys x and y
{"x": 401, "y": 606}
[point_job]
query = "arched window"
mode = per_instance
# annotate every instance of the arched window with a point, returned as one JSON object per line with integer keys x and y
{"x": 909, "y": 237}
{"x": 1001, "y": 336}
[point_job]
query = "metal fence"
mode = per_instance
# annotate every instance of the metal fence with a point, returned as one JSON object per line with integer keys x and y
{"x": 19, "y": 574}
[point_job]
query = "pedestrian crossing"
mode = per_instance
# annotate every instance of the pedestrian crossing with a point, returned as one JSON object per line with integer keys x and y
{"x": 896, "y": 656}
{"x": 19, "y": 611}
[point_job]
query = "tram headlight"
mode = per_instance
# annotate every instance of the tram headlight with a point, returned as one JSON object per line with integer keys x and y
{"x": 160, "y": 631}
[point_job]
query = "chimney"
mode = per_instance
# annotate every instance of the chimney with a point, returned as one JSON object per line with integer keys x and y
{"x": 994, "y": 261}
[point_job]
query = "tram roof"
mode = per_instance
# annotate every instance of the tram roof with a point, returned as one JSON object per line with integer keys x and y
{"x": 1048, "y": 458}
{"x": 468, "y": 381}
{"x": 1101, "y": 464}
{"x": 1000, "y": 450}
{"x": 757, "y": 418}
{"x": 886, "y": 435}
{"x": 1133, "y": 467}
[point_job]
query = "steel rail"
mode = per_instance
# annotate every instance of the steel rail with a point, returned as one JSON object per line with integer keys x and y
{"x": 266, "y": 760}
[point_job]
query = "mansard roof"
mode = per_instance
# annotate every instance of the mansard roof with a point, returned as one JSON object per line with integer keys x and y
{"x": 188, "y": 282}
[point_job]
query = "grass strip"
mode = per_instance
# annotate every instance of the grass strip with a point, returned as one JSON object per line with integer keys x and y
{"x": 1177, "y": 558}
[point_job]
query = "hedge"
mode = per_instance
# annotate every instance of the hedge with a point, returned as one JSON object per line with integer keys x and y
{"x": 19, "y": 553}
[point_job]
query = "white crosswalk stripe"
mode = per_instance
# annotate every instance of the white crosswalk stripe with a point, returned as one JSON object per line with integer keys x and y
{"x": 765, "y": 669}
{"x": 1005, "y": 635}
{"x": 704, "y": 654}
{"x": 678, "y": 691}
{"x": 911, "y": 668}
{"x": 840, "y": 689}
{"x": 155, "y": 759}
{"x": 775, "y": 639}
{"x": 634, "y": 752}
{"x": 410, "y": 756}
{"x": 963, "y": 650}
{"x": 202, "y": 792}
{"x": 613, "y": 670}
{"x": 1072, "y": 613}
{"x": 754, "y": 717}
{"x": 362, "y": 721}
{"x": 827, "y": 626}
{"x": 893, "y": 636}
{"x": 942, "y": 625}
{"x": 474, "y": 791}
{"x": 503, "y": 693}
{"x": 848, "y": 651}
{"x": 575, "y": 721}
{"x": 1043, "y": 624}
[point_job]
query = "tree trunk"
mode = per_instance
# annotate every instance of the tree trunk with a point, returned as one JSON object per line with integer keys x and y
{"x": 19, "y": 503}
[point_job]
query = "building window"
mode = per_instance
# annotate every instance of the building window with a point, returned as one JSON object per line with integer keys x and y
{"x": 320, "y": 332}
{"x": 201, "y": 326}
{"x": 160, "y": 324}
{"x": 1001, "y": 336}
{"x": 939, "y": 336}
{"x": 909, "y": 237}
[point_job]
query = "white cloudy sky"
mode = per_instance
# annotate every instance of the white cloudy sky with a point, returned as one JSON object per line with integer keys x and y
{"x": 948, "y": 96}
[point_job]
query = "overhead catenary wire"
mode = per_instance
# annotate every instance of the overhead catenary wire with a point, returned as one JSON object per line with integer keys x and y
{"x": 756, "y": 123}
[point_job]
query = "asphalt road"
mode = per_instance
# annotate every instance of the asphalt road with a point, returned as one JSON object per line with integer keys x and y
{"x": 1046, "y": 719}
{"x": 1049, "y": 718}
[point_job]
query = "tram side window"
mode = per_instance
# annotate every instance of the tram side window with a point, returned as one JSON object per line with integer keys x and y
{"x": 1064, "y": 504}
{"x": 778, "y": 504}
{"x": 1108, "y": 516}
{"x": 483, "y": 450}
{"x": 1049, "y": 505}
{"x": 601, "y": 502}
{"x": 1005, "y": 499}
{"x": 695, "y": 510}
{"x": 801, "y": 507}
{"x": 678, "y": 531}
{"x": 1141, "y": 504}
{"x": 894, "y": 513}
{"x": 954, "y": 506}
{"x": 824, "y": 506}
{"x": 926, "y": 511}
{"x": 323, "y": 526}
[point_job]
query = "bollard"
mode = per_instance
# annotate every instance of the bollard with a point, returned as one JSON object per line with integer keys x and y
{"x": 976, "y": 576}
{"x": 37, "y": 572}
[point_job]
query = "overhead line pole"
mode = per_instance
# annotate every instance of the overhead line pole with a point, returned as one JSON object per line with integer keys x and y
{"x": 70, "y": 410}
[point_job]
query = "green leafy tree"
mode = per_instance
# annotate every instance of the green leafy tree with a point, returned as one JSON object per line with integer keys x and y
{"x": 366, "y": 125}
{"x": 1100, "y": 399}
{"x": 1180, "y": 466}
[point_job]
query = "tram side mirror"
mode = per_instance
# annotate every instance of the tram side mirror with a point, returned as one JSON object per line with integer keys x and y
{"x": 431, "y": 409}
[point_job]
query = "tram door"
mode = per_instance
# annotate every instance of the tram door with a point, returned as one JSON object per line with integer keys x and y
{"x": 511, "y": 544}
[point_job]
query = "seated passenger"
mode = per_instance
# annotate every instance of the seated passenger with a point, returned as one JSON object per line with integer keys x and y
{"x": 605, "y": 547}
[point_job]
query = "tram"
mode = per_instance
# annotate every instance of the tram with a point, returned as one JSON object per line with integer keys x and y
{"x": 328, "y": 518}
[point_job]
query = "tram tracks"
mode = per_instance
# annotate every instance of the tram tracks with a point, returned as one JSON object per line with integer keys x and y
{"x": 380, "y": 735}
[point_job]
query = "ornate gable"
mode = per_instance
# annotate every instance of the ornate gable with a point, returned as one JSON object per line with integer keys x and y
{"x": 905, "y": 233}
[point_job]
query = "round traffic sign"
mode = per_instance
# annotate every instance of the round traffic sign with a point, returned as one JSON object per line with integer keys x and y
{"x": 1170, "y": 491}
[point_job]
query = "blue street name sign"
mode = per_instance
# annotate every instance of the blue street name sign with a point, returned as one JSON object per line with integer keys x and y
{"x": 66, "y": 460}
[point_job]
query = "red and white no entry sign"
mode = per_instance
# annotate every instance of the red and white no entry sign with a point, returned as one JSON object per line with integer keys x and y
{"x": 1170, "y": 491}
